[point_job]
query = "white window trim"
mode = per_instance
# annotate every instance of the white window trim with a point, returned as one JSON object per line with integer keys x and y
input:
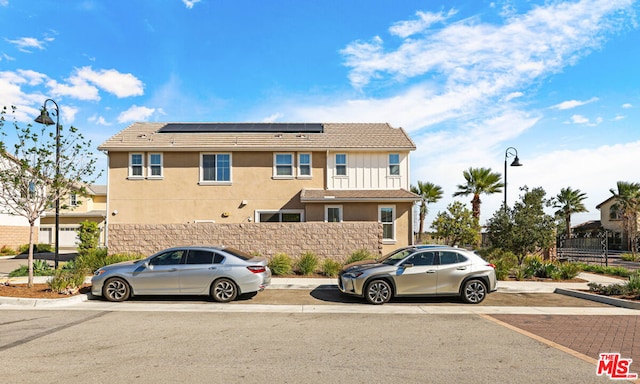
{"x": 281, "y": 211}
{"x": 73, "y": 200}
{"x": 149, "y": 173}
{"x": 201, "y": 180}
{"x": 326, "y": 212}
{"x": 393, "y": 223}
{"x": 300, "y": 175}
{"x": 131, "y": 176}
{"x": 346, "y": 167}
{"x": 389, "y": 174}
{"x": 275, "y": 166}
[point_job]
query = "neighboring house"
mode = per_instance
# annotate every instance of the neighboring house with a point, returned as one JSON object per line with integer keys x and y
{"x": 74, "y": 209}
{"x": 611, "y": 220}
{"x": 14, "y": 229}
{"x": 243, "y": 173}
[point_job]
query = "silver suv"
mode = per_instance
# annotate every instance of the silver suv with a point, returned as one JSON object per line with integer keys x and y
{"x": 427, "y": 270}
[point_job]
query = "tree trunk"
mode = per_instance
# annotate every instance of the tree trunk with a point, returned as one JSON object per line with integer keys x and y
{"x": 30, "y": 259}
{"x": 567, "y": 220}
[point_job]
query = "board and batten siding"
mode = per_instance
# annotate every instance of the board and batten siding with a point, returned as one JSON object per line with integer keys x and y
{"x": 367, "y": 170}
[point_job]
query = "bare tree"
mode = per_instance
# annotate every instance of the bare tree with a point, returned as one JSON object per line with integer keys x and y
{"x": 32, "y": 177}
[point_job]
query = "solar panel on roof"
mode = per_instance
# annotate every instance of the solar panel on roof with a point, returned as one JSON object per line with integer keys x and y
{"x": 242, "y": 127}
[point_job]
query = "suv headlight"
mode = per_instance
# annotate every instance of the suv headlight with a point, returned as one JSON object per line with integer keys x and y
{"x": 353, "y": 275}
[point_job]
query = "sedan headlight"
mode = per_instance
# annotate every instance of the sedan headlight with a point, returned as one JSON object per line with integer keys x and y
{"x": 98, "y": 272}
{"x": 353, "y": 275}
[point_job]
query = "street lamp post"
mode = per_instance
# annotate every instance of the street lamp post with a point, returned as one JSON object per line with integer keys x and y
{"x": 45, "y": 119}
{"x": 509, "y": 152}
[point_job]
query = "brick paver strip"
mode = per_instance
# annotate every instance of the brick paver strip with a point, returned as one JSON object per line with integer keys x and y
{"x": 588, "y": 335}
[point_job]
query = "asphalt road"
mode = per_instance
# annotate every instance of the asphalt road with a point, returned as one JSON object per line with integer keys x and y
{"x": 167, "y": 347}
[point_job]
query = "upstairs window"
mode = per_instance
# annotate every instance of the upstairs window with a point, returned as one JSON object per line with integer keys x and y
{"x": 394, "y": 164}
{"x": 73, "y": 200}
{"x": 215, "y": 168}
{"x": 283, "y": 165}
{"x": 304, "y": 165}
{"x": 341, "y": 164}
{"x": 136, "y": 164}
{"x": 387, "y": 216}
{"x": 155, "y": 165}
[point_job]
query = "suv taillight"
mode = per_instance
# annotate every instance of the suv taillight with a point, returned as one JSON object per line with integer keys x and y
{"x": 257, "y": 268}
{"x": 491, "y": 265}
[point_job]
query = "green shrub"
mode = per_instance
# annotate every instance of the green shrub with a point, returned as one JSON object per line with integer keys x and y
{"x": 535, "y": 266}
{"x": 66, "y": 281}
{"x": 40, "y": 268}
{"x": 520, "y": 273}
{"x": 359, "y": 255}
{"x": 566, "y": 271}
{"x": 307, "y": 263}
{"x": 331, "y": 267}
{"x": 37, "y": 248}
{"x": 630, "y": 257}
{"x": 7, "y": 251}
{"x": 504, "y": 261}
{"x": 280, "y": 264}
{"x": 94, "y": 259}
{"x": 88, "y": 235}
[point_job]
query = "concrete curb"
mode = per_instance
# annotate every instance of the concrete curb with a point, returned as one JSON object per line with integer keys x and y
{"x": 599, "y": 298}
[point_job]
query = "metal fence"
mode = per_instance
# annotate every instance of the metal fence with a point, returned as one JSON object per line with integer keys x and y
{"x": 588, "y": 249}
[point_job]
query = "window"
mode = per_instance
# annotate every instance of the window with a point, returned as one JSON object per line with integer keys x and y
{"x": 341, "y": 164}
{"x": 394, "y": 164}
{"x": 199, "y": 257}
{"x": 73, "y": 200}
{"x": 167, "y": 258}
{"x": 387, "y": 216}
{"x": 283, "y": 165}
{"x": 333, "y": 213}
{"x": 424, "y": 258}
{"x": 155, "y": 165}
{"x": 286, "y": 216}
{"x": 615, "y": 212}
{"x": 304, "y": 165}
{"x": 451, "y": 258}
{"x": 215, "y": 168}
{"x": 135, "y": 165}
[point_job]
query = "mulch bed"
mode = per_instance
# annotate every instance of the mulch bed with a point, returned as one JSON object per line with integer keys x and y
{"x": 37, "y": 291}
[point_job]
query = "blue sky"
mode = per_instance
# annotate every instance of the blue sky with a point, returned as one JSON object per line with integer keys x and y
{"x": 557, "y": 80}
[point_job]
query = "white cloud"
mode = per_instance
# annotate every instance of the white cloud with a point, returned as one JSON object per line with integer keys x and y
{"x": 425, "y": 20}
{"x": 190, "y": 3}
{"x": 272, "y": 118}
{"x": 112, "y": 81}
{"x": 579, "y": 119}
{"x": 627, "y": 105}
{"x": 26, "y": 44}
{"x": 76, "y": 88}
{"x": 98, "y": 120}
{"x": 570, "y": 104}
{"x": 135, "y": 113}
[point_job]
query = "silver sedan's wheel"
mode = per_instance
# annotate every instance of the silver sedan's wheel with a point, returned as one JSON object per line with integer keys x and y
{"x": 474, "y": 291}
{"x": 224, "y": 290}
{"x": 116, "y": 289}
{"x": 378, "y": 292}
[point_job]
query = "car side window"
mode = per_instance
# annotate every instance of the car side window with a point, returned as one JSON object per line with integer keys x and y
{"x": 199, "y": 257}
{"x": 217, "y": 258}
{"x": 168, "y": 258}
{"x": 451, "y": 258}
{"x": 423, "y": 258}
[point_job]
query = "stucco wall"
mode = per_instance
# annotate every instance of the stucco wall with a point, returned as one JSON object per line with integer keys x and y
{"x": 15, "y": 236}
{"x": 327, "y": 240}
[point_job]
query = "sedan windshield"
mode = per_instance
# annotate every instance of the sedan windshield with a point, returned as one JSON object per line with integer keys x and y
{"x": 395, "y": 256}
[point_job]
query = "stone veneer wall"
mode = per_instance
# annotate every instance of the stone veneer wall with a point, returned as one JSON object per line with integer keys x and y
{"x": 15, "y": 236}
{"x": 327, "y": 240}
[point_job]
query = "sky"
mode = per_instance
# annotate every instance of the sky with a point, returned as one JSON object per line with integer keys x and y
{"x": 467, "y": 79}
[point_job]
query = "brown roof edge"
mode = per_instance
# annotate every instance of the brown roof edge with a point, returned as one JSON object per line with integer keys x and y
{"x": 354, "y": 195}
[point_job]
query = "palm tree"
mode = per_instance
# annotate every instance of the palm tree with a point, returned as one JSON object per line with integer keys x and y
{"x": 479, "y": 181}
{"x": 628, "y": 203}
{"x": 429, "y": 193}
{"x": 569, "y": 201}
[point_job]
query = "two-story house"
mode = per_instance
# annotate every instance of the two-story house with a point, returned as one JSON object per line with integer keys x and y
{"x": 252, "y": 174}
{"x": 611, "y": 220}
{"x": 75, "y": 208}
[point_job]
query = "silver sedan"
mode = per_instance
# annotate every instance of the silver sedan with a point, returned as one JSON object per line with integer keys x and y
{"x": 223, "y": 273}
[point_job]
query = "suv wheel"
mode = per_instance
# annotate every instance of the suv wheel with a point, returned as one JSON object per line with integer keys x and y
{"x": 378, "y": 292}
{"x": 474, "y": 291}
